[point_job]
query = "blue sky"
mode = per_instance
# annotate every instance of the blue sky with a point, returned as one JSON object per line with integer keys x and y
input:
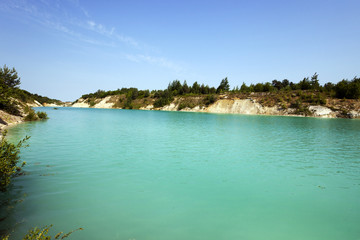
{"x": 66, "y": 48}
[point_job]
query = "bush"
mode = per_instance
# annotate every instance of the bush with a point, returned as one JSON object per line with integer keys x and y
{"x": 186, "y": 104}
{"x": 31, "y": 116}
{"x": 209, "y": 99}
{"x": 42, "y": 115}
{"x": 9, "y": 158}
{"x": 162, "y": 102}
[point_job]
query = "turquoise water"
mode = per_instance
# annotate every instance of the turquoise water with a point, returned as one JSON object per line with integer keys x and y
{"x": 127, "y": 174}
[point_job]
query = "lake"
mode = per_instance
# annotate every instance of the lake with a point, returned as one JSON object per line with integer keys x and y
{"x": 131, "y": 174}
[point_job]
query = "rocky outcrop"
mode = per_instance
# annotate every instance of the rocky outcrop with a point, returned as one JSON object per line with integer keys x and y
{"x": 354, "y": 114}
{"x": 241, "y": 106}
{"x": 321, "y": 111}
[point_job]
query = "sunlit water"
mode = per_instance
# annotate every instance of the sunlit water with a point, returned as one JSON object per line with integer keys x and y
{"x": 126, "y": 174}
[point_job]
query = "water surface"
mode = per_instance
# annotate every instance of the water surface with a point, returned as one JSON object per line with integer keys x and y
{"x": 126, "y": 174}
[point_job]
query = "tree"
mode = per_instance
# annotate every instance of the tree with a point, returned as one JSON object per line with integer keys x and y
{"x": 9, "y": 77}
{"x": 195, "y": 88}
{"x": 341, "y": 88}
{"x": 267, "y": 87}
{"x": 354, "y": 88}
{"x": 9, "y": 81}
{"x": 224, "y": 86}
{"x": 185, "y": 88}
{"x": 175, "y": 86}
{"x": 329, "y": 86}
{"x": 277, "y": 84}
{"x": 315, "y": 82}
{"x": 305, "y": 84}
{"x": 244, "y": 88}
{"x": 348, "y": 89}
{"x": 259, "y": 87}
{"x": 285, "y": 83}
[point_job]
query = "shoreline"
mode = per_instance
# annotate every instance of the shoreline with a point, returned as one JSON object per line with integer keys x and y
{"x": 232, "y": 106}
{"x": 184, "y": 111}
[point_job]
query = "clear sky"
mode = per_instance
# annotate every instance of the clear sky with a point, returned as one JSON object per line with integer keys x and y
{"x": 65, "y": 48}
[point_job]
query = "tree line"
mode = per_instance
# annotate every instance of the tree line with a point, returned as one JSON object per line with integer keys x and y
{"x": 349, "y": 89}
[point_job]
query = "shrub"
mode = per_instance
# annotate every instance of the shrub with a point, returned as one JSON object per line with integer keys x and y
{"x": 209, "y": 99}
{"x": 9, "y": 158}
{"x": 186, "y": 104}
{"x": 42, "y": 234}
{"x": 162, "y": 102}
{"x": 31, "y": 116}
{"x": 42, "y": 115}
{"x": 128, "y": 104}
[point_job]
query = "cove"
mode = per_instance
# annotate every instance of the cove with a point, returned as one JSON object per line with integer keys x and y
{"x": 131, "y": 174}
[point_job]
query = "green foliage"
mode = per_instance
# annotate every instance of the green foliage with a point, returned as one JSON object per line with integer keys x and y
{"x": 314, "y": 82}
{"x": 348, "y": 89}
{"x": 143, "y": 94}
{"x": 244, "y": 88}
{"x": 9, "y": 91}
{"x": 210, "y": 99}
{"x": 128, "y": 103}
{"x": 224, "y": 86}
{"x": 300, "y": 108}
{"x": 5, "y": 237}
{"x": 103, "y": 94}
{"x": 92, "y": 102}
{"x": 344, "y": 89}
{"x": 9, "y": 81}
{"x": 31, "y": 116}
{"x": 34, "y": 116}
{"x": 165, "y": 98}
{"x": 183, "y": 105}
{"x": 42, "y": 99}
{"x": 8, "y": 105}
{"x": 176, "y": 87}
{"x": 259, "y": 87}
{"x": 9, "y": 77}
{"x": 186, "y": 104}
{"x": 43, "y": 234}
{"x": 9, "y": 159}
{"x": 42, "y": 115}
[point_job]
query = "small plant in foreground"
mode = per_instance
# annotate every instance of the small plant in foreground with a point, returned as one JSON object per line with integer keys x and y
{"x": 9, "y": 159}
{"x": 42, "y": 234}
